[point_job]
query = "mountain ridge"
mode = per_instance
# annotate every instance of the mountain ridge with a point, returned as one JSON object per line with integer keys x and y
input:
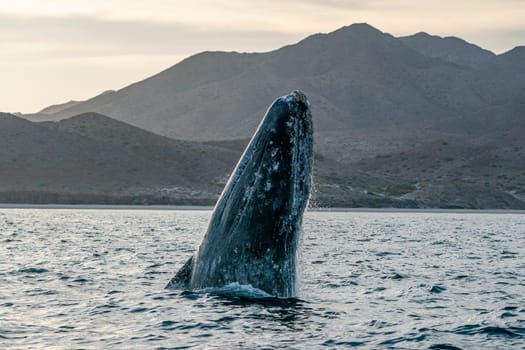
{"x": 450, "y": 48}
{"x": 92, "y": 158}
{"x": 354, "y": 76}
{"x": 381, "y": 104}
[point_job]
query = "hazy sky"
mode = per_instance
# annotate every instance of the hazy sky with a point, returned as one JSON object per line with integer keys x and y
{"x": 52, "y": 51}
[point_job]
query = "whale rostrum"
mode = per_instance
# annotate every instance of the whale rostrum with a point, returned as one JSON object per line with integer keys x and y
{"x": 254, "y": 230}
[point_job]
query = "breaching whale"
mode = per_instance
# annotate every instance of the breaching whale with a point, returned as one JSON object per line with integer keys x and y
{"x": 254, "y": 229}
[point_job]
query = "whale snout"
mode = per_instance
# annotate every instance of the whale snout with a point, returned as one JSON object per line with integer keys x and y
{"x": 299, "y": 97}
{"x": 297, "y": 102}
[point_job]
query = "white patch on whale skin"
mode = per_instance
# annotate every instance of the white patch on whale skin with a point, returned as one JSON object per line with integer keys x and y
{"x": 268, "y": 185}
{"x": 262, "y": 271}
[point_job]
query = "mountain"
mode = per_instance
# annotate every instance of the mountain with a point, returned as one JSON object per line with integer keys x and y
{"x": 58, "y": 107}
{"x": 515, "y": 58}
{"x": 201, "y": 163}
{"x": 356, "y": 77}
{"x": 512, "y": 65}
{"x": 93, "y": 159}
{"x": 383, "y": 108}
{"x": 451, "y": 49}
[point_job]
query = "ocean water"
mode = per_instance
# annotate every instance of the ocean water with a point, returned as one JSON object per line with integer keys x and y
{"x": 94, "y": 279}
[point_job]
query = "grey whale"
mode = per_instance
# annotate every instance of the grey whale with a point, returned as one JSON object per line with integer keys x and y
{"x": 254, "y": 230}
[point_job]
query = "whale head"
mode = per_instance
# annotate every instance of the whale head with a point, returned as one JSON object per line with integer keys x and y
{"x": 254, "y": 230}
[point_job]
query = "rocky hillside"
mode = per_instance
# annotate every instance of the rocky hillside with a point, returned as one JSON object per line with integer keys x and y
{"x": 413, "y": 121}
{"x": 356, "y": 78}
{"x": 94, "y": 159}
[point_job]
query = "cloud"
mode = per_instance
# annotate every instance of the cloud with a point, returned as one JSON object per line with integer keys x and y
{"x": 83, "y": 36}
{"x": 49, "y": 59}
{"x": 59, "y": 29}
{"x": 343, "y": 4}
{"x": 56, "y": 50}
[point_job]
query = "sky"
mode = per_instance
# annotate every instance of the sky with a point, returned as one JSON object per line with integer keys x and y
{"x": 53, "y": 51}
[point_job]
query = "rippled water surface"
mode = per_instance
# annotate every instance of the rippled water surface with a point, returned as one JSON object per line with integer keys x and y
{"x": 94, "y": 279}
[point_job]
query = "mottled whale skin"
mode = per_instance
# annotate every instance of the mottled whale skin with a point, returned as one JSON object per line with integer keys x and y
{"x": 254, "y": 230}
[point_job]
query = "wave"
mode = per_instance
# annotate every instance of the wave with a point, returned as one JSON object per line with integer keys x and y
{"x": 242, "y": 294}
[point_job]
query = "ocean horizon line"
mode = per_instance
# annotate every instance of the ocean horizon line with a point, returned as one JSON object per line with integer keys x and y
{"x": 206, "y": 208}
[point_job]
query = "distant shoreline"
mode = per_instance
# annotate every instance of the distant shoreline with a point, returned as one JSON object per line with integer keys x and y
{"x": 104, "y": 206}
{"x": 206, "y": 208}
